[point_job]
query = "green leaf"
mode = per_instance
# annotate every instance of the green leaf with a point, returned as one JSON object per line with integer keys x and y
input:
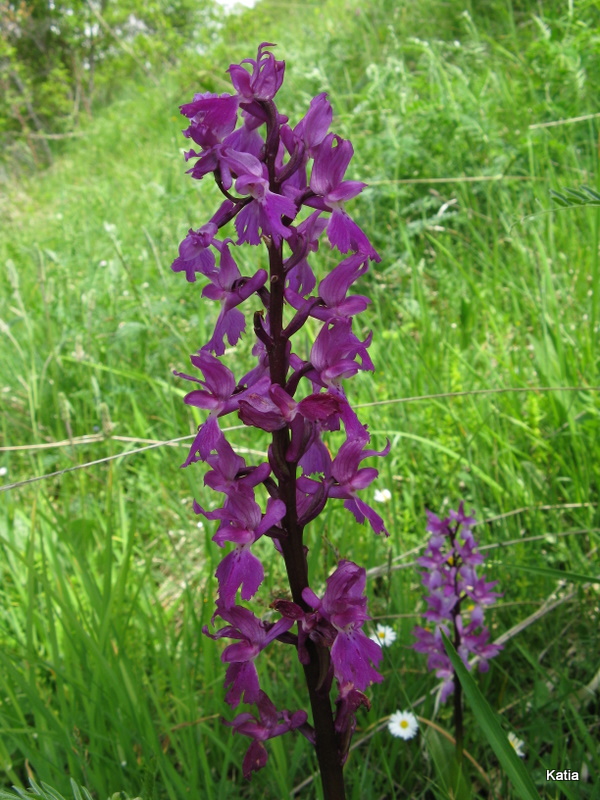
{"x": 560, "y": 199}
{"x": 576, "y": 197}
{"x": 497, "y": 738}
{"x": 593, "y": 194}
{"x": 448, "y": 772}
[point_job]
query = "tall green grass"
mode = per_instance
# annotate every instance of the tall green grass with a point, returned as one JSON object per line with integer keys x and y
{"x": 107, "y": 580}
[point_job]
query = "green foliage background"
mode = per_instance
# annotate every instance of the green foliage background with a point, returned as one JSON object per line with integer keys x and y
{"x": 464, "y": 116}
{"x": 61, "y": 61}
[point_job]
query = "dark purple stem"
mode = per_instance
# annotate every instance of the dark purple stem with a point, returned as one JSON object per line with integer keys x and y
{"x": 317, "y": 669}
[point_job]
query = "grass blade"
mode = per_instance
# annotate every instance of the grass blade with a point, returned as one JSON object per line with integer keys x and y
{"x": 492, "y": 730}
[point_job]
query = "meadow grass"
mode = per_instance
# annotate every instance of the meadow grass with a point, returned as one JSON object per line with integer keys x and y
{"x": 484, "y": 284}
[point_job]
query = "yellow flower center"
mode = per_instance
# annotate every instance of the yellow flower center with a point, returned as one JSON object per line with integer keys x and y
{"x": 404, "y": 724}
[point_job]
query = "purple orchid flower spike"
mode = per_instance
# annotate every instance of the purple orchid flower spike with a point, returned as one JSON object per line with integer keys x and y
{"x": 456, "y": 599}
{"x": 283, "y": 186}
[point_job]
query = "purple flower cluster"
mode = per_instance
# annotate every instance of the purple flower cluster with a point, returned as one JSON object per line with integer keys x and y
{"x": 270, "y": 173}
{"x": 456, "y": 598}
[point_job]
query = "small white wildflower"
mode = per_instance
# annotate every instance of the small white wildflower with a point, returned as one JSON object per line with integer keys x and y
{"x": 517, "y": 744}
{"x": 200, "y": 525}
{"x": 403, "y": 724}
{"x": 3, "y": 471}
{"x": 384, "y": 635}
{"x": 382, "y": 496}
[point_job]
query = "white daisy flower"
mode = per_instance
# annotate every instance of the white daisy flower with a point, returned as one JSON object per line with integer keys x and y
{"x": 382, "y": 496}
{"x": 384, "y": 635}
{"x": 518, "y": 745}
{"x": 3, "y": 471}
{"x": 403, "y": 724}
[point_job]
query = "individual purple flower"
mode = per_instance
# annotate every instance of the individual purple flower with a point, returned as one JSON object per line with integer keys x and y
{"x": 326, "y": 181}
{"x": 253, "y": 635}
{"x": 456, "y": 598}
{"x": 267, "y": 406}
{"x": 475, "y": 639}
{"x": 212, "y": 118}
{"x": 230, "y": 288}
{"x": 344, "y": 607}
{"x": 229, "y": 473}
{"x": 313, "y": 127}
{"x": 194, "y": 253}
{"x": 243, "y": 524}
{"x": 264, "y": 212}
{"x": 333, "y": 291}
{"x": 271, "y": 723}
{"x": 216, "y": 396}
{"x": 271, "y": 408}
{"x": 265, "y": 79}
{"x": 334, "y": 352}
{"x": 301, "y": 144}
{"x": 348, "y": 479}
